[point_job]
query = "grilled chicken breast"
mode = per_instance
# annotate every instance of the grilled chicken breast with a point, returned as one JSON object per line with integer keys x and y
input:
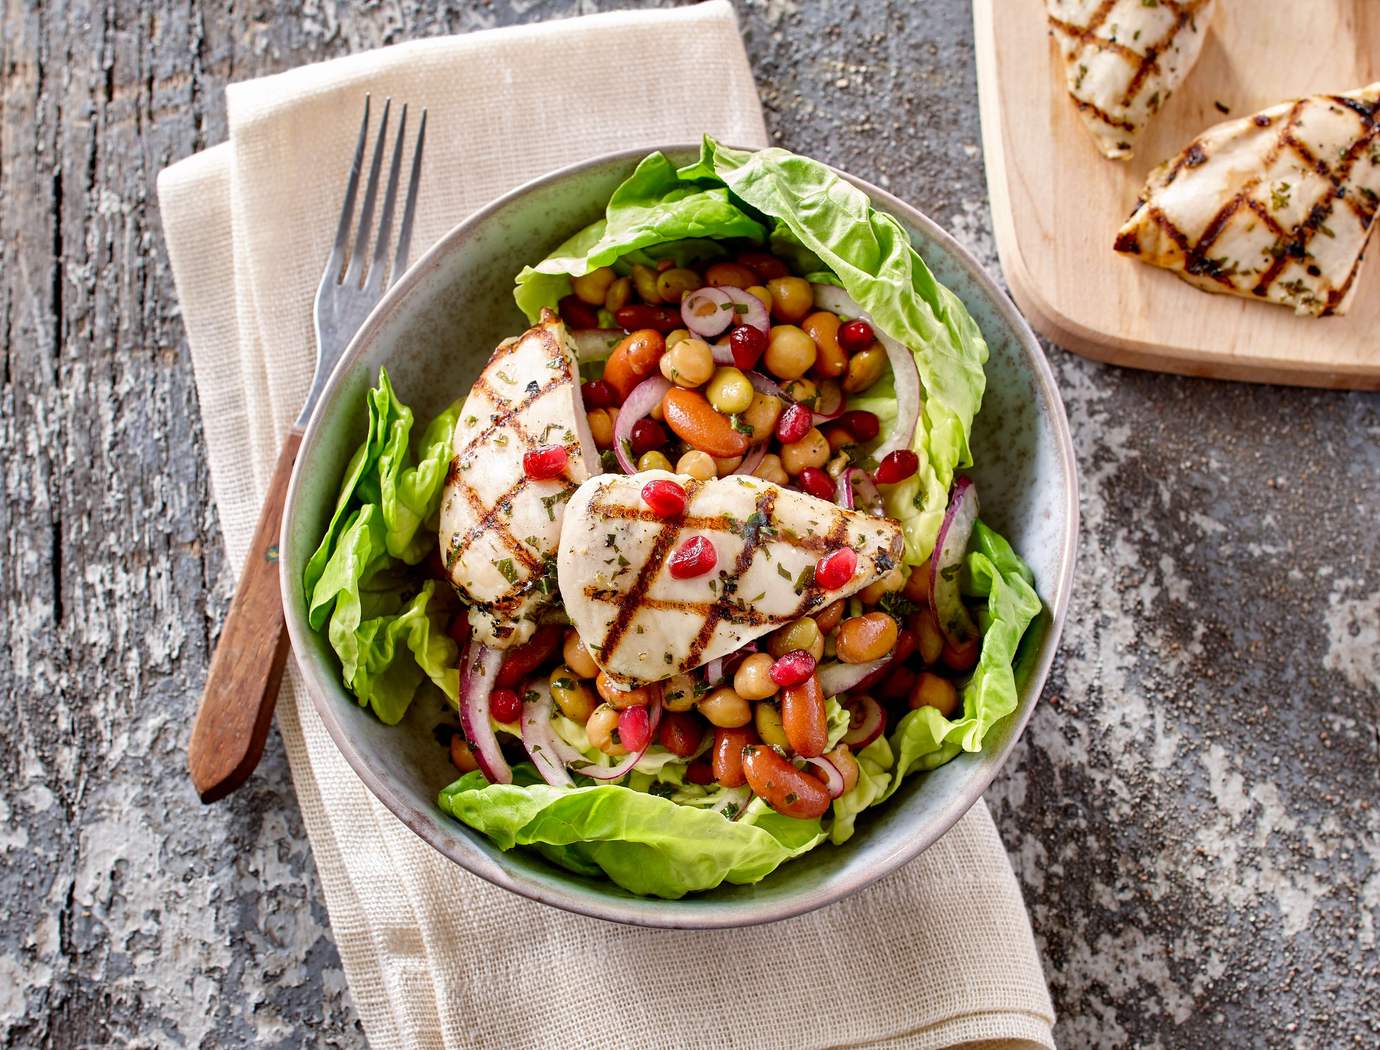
{"x": 1276, "y": 207}
{"x": 1124, "y": 58}
{"x": 643, "y": 625}
{"x": 499, "y": 528}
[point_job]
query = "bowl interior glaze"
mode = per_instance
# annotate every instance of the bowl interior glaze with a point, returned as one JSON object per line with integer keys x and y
{"x": 434, "y": 331}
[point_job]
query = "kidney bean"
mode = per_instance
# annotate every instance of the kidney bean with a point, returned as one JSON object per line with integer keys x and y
{"x": 766, "y": 266}
{"x": 699, "y": 773}
{"x": 788, "y": 790}
{"x": 694, "y": 421}
{"x": 523, "y": 659}
{"x": 728, "y": 754}
{"x": 634, "y": 358}
{"x": 680, "y": 733}
{"x": 638, "y": 315}
{"x": 804, "y": 716}
{"x": 961, "y": 657}
{"x": 732, "y": 275}
{"x": 577, "y": 314}
{"x": 905, "y": 645}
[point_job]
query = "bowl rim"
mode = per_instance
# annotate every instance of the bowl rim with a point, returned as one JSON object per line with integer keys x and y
{"x": 652, "y": 911}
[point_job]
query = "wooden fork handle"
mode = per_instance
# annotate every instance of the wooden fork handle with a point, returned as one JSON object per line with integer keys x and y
{"x": 242, "y": 685}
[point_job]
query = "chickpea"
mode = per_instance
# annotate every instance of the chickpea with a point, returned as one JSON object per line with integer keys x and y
{"x": 730, "y": 391}
{"x": 770, "y": 469}
{"x": 763, "y": 296}
{"x": 675, "y": 336}
{"x": 791, "y": 298}
{"x": 675, "y": 284}
{"x": 688, "y": 363}
{"x": 653, "y": 460}
{"x": 790, "y": 352}
{"x": 602, "y": 724}
{"x": 644, "y": 280}
{"x": 678, "y": 693}
{"x": 752, "y": 680}
{"x": 617, "y": 696}
{"x": 803, "y": 633}
{"x": 928, "y": 639}
{"x": 892, "y": 582}
{"x": 865, "y": 369}
{"x": 729, "y": 275}
{"x": 601, "y": 427}
{"x": 620, "y": 291}
{"x": 572, "y": 696}
{"x": 823, "y": 327}
{"x": 800, "y": 390}
{"x": 837, "y": 436}
{"x": 917, "y": 587}
{"x": 864, "y": 638}
{"x": 768, "y": 722}
{"x": 930, "y": 690}
{"x": 726, "y": 465}
{"x": 698, "y": 465}
{"x": 762, "y": 415}
{"x": 828, "y": 618}
{"x": 577, "y": 657}
{"x": 593, "y": 287}
{"x": 725, "y": 708}
{"x": 810, "y": 451}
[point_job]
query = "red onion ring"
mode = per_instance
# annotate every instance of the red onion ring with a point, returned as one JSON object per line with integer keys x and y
{"x": 539, "y": 738}
{"x": 738, "y": 797}
{"x": 625, "y": 767}
{"x": 644, "y": 397}
{"x": 477, "y": 682}
{"x": 856, "y": 490}
{"x": 824, "y": 413}
{"x": 753, "y": 312}
{"x": 833, "y": 779}
{"x": 753, "y": 459}
{"x": 717, "y": 668}
{"x": 723, "y": 354}
{"x": 903, "y": 370}
{"x": 595, "y": 344}
{"x": 709, "y": 323}
{"x": 949, "y": 549}
{"x": 763, "y": 385}
{"x": 839, "y": 677}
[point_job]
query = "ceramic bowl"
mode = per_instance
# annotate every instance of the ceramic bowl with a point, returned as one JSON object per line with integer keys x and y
{"x": 434, "y": 331}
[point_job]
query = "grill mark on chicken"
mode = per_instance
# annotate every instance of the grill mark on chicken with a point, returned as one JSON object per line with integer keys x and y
{"x": 728, "y": 586}
{"x": 1150, "y": 62}
{"x": 1100, "y": 42}
{"x": 633, "y": 599}
{"x": 706, "y": 523}
{"x": 1171, "y": 231}
{"x": 1101, "y": 114}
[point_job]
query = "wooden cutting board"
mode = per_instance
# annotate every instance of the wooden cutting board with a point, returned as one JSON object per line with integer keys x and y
{"x": 1057, "y": 202}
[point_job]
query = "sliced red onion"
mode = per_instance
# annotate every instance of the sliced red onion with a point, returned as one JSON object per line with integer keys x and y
{"x": 644, "y": 397}
{"x": 903, "y": 370}
{"x": 477, "y": 682}
{"x": 763, "y": 385}
{"x": 838, "y": 677}
{"x": 947, "y": 563}
{"x": 748, "y": 309}
{"x": 539, "y": 737}
{"x": 737, "y": 798}
{"x": 625, "y": 767}
{"x": 856, "y": 490}
{"x": 595, "y": 344}
{"x": 829, "y": 403}
{"x": 753, "y": 459}
{"x": 833, "y": 779}
{"x": 707, "y": 312}
{"x": 868, "y": 727}
{"x": 723, "y": 354}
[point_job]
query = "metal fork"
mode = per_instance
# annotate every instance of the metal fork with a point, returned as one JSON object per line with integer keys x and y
{"x": 247, "y": 668}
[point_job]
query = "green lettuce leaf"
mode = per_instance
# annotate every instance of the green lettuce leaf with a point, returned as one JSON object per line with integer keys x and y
{"x": 925, "y": 739}
{"x": 644, "y": 843}
{"x": 874, "y": 776}
{"x": 388, "y": 630}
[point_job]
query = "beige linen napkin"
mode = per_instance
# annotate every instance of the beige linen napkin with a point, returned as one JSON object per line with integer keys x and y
{"x": 938, "y": 954}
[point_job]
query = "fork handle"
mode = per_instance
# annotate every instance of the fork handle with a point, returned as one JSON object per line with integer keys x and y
{"x": 242, "y": 685}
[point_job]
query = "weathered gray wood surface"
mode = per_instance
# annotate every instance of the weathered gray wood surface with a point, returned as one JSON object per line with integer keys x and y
{"x": 1192, "y": 815}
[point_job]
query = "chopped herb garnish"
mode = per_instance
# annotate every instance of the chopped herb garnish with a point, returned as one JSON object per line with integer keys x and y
{"x": 1279, "y": 196}
{"x": 506, "y": 567}
{"x": 805, "y": 579}
{"x": 782, "y": 571}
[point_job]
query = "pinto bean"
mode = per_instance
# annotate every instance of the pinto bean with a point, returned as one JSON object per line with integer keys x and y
{"x": 804, "y": 717}
{"x": 728, "y": 754}
{"x": 634, "y": 358}
{"x": 695, "y": 422}
{"x": 788, "y": 790}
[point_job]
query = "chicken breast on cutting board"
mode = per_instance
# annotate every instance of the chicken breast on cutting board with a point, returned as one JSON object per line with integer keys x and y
{"x": 1276, "y": 206}
{"x": 643, "y": 625}
{"x": 499, "y": 528}
{"x": 1124, "y": 58}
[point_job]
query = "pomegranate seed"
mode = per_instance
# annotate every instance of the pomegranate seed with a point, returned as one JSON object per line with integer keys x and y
{"x": 699, "y": 773}
{"x": 646, "y": 435}
{"x": 543, "y": 463}
{"x": 817, "y": 483}
{"x": 748, "y": 344}
{"x": 856, "y": 336}
{"x": 695, "y": 557}
{"x": 793, "y": 668}
{"x": 598, "y": 394}
{"x": 794, "y": 424}
{"x": 505, "y": 705}
{"x": 896, "y": 466}
{"x": 634, "y": 728}
{"x": 577, "y": 314}
{"x": 836, "y": 568}
{"x": 665, "y": 498}
{"x": 864, "y": 426}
